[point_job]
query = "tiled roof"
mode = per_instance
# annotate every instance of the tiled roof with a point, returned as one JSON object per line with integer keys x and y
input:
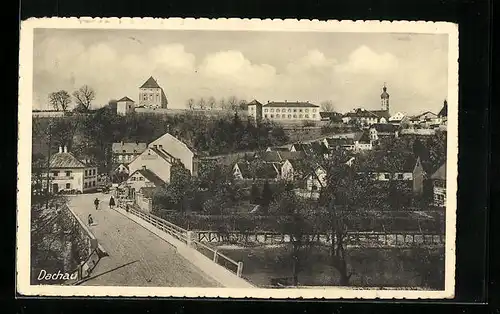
{"x": 163, "y": 154}
{"x": 129, "y": 148}
{"x": 440, "y": 174}
{"x": 150, "y": 176}
{"x": 291, "y": 104}
{"x": 361, "y": 113}
{"x": 332, "y": 116}
{"x": 384, "y": 127}
{"x": 333, "y": 142}
{"x": 291, "y": 155}
{"x": 422, "y": 114}
{"x": 390, "y": 162}
{"x": 278, "y": 149}
{"x": 254, "y": 102}
{"x": 65, "y": 160}
{"x": 150, "y": 83}
{"x": 125, "y": 99}
{"x": 381, "y": 113}
{"x": 319, "y": 148}
{"x": 260, "y": 170}
{"x": 269, "y": 156}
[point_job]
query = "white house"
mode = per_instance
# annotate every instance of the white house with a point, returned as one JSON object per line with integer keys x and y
{"x": 290, "y": 111}
{"x": 125, "y": 106}
{"x": 397, "y": 118}
{"x": 177, "y": 149}
{"x": 71, "y": 174}
{"x": 144, "y": 178}
{"x": 439, "y": 186}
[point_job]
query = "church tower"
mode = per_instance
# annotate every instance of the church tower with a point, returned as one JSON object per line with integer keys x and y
{"x": 384, "y": 99}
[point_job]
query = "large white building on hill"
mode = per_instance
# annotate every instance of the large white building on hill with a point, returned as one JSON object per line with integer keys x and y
{"x": 284, "y": 111}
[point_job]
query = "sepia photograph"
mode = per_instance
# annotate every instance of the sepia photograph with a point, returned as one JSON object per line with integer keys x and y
{"x": 237, "y": 158}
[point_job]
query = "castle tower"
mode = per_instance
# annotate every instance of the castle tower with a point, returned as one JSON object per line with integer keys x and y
{"x": 384, "y": 99}
{"x": 151, "y": 95}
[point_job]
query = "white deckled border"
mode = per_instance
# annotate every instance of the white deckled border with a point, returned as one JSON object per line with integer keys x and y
{"x": 276, "y": 25}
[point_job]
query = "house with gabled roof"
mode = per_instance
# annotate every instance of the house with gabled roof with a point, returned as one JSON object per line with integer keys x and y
{"x": 395, "y": 166}
{"x": 143, "y": 178}
{"x": 125, "y": 152}
{"x": 439, "y": 186}
{"x": 152, "y": 95}
{"x": 125, "y": 106}
{"x": 70, "y": 174}
{"x": 309, "y": 176}
{"x": 256, "y": 170}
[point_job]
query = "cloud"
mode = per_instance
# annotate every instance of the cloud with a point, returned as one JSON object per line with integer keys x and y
{"x": 313, "y": 60}
{"x": 172, "y": 58}
{"x": 233, "y": 67}
{"x": 365, "y": 60}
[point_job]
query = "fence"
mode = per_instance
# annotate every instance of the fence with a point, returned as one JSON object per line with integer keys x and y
{"x": 186, "y": 237}
{"x": 353, "y": 239}
{"x": 93, "y": 252}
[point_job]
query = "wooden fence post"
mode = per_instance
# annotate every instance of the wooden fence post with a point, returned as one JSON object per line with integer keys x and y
{"x": 240, "y": 269}
{"x": 189, "y": 240}
{"x": 216, "y": 256}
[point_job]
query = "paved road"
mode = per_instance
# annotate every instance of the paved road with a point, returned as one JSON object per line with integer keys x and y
{"x": 136, "y": 256}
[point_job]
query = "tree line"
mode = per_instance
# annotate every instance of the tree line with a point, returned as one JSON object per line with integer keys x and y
{"x": 91, "y": 135}
{"x": 232, "y": 103}
{"x": 82, "y": 99}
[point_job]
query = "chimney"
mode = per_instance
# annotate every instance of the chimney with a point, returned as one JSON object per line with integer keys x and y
{"x": 60, "y": 149}
{"x": 65, "y": 149}
{"x": 121, "y": 143}
{"x": 143, "y": 167}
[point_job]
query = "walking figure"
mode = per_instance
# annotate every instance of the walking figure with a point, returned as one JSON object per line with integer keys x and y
{"x": 90, "y": 220}
{"x": 96, "y": 203}
{"x": 111, "y": 202}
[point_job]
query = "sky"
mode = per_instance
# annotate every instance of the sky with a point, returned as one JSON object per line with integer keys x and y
{"x": 348, "y": 69}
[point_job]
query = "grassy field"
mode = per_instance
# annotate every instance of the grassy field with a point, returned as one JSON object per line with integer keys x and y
{"x": 422, "y": 268}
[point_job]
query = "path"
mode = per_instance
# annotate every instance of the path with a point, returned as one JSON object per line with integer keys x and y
{"x": 136, "y": 256}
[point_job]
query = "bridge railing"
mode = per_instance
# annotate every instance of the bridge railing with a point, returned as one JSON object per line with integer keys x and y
{"x": 187, "y": 237}
{"x": 175, "y": 231}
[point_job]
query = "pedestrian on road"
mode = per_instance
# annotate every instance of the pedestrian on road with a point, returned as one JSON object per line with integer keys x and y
{"x": 96, "y": 203}
{"x": 90, "y": 220}
{"x": 111, "y": 202}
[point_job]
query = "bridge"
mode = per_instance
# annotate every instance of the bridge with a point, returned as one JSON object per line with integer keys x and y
{"x": 148, "y": 253}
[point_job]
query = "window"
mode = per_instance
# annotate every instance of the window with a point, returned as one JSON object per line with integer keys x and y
{"x": 265, "y": 110}
{"x": 386, "y": 176}
{"x": 265, "y": 116}
{"x": 399, "y": 176}
{"x": 314, "y": 110}
{"x": 277, "y": 110}
{"x": 306, "y": 116}
{"x": 93, "y": 172}
{"x": 300, "y": 110}
{"x": 295, "y": 116}
{"x": 272, "y": 116}
{"x": 68, "y": 173}
{"x": 289, "y": 116}
{"x": 55, "y": 173}
{"x": 314, "y": 188}
{"x": 68, "y": 185}
{"x": 294, "y": 110}
{"x": 124, "y": 151}
{"x": 306, "y": 110}
{"x": 272, "y": 110}
{"x": 132, "y": 179}
{"x": 141, "y": 178}
{"x": 283, "y": 116}
{"x": 85, "y": 185}
{"x": 86, "y": 173}
{"x": 289, "y": 110}
{"x": 300, "y": 116}
{"x": 314, "y": 116}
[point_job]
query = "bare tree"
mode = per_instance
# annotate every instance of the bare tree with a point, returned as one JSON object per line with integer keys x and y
{"x": 211, "y": 102}
{"x": 242, "y": 104}
{"x": 202, "y": 103}
{"x": 232, "y": 103}
{"x": 84, "y": 97}
{"x": 60, "y": 100}
{"x": 327, "y": 106}
{"x": 223, "y": 104}
{"x": 190, "y": 103}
